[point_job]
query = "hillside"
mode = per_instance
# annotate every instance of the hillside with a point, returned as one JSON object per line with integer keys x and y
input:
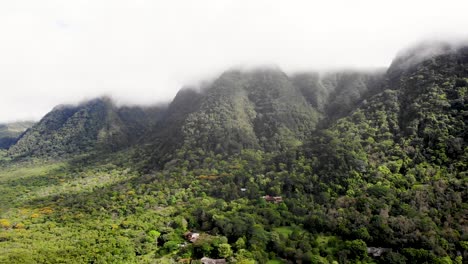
{"x": 397, "y": 164}
{"x": 338, "y": 167}
{"x": 10, "y": 132}
{"x": 334, "y": 94}
{"x": 260, "y": 109}
{"x": 96, "y": 125}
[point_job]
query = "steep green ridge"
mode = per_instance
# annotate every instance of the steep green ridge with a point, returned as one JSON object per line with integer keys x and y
{"x": 166, "y": 135}
{"x": 391, "y": 174}
{"x": 244, "y": 110}
{"x": 421, "y": 118}
{"x": 10, "y": 132}
{"x": 258, "y": 109}
{"x": 395, "y": 169}
{"x": 336, "y": 93}
{"x": 95, "y": 125}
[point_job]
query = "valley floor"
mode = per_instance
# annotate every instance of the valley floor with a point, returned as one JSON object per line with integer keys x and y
{"x": 86, "y": 211}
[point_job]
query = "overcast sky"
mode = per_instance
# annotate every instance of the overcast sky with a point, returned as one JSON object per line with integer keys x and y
{"x": 54, "y": 52}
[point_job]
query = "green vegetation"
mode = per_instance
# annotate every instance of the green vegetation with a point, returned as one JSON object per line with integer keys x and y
{"x": 284, "y": 230}
{"x": 101, "y": 184}
{"x": 97, "y": 125}
{"x": 10, "y": 132}
{"x": 275, "y": 261}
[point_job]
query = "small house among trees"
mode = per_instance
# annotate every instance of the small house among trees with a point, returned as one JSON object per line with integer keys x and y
{"x": 273, "y": 199}
{"x": 192, "y": 237}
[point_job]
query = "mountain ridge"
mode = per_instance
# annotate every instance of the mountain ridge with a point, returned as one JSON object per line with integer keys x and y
{"x": 264, "y": 105}
{"x": 94, "y": 124}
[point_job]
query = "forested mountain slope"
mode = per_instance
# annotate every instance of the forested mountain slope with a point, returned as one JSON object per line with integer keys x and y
{"x": 392, "y": 173}
{"x": 94, "y": 125}
{"x": 334, "y": 94}
{"x": 257, "y": 109}
{"x": 9, "y": 132}
{"x": 395, "y": 169}
{"x": 241, "y": 110}
{"x": 421, "y": 117}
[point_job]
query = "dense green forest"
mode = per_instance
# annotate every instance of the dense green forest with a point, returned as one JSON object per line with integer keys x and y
{"x": 366, "y": 167}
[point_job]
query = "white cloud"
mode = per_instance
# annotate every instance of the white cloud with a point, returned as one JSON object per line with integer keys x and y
{"x": 139, "y": 51}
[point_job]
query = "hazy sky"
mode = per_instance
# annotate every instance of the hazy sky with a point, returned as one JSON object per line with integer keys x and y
{"x": 54, "y": 52}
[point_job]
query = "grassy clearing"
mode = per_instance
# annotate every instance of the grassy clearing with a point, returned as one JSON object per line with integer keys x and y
{"x": 288, "y": 230}
{"x": 18, "y": 182}
{"x": 284, "y": 230}
{"x": 27, "y": 171}
{"x": 21, "y": 186}
{"x": 323, "y": 240}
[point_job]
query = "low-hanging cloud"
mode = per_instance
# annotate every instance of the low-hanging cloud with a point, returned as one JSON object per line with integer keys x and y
{"x": 54, "y": 52}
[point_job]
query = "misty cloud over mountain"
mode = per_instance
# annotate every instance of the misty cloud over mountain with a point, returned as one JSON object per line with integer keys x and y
{"x": 54, "y": 53}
